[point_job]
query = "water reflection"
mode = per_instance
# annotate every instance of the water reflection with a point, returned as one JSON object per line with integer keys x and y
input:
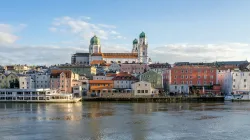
{"x": 139, "y": 121}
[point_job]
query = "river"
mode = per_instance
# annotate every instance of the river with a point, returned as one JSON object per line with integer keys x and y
{"x": 125, "y": 121}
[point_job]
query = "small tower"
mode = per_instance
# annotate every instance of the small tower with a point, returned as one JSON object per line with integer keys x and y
{"x": 143, "y": 49}
{"x": 95, "y": 46}
{"x": 135, "y": 46}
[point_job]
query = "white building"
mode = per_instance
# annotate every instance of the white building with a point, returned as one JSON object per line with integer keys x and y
{"x": 41, "y": 80}
{"x": 143, "y": 88}
{"x": 241, "y": 81}
{"x": 26, "y": 82}
{"x": 139, "y": 53}
{"x": 124, "y": 80}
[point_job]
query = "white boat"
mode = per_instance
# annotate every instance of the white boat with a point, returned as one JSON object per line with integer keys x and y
{"x": 228, "y": 97}
{"x": 36, "y": 95}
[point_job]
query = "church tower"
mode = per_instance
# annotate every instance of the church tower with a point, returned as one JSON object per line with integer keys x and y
{"x": 143, "y": 49}
{"x": 135, "y": 46}
{"x": 95, "y": 46}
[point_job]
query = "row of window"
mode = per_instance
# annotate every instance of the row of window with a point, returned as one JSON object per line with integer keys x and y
{"x": 190, "y": 71}
{"x": 199, "y": 77}
{"x": 245, "y": 80}
{"x": 142, "y": 91}
{"x": 245, "y": 86}
{"x": 100, "y": 84}
{"x": 236, "y": 74}
{"x": 198, "y": 82}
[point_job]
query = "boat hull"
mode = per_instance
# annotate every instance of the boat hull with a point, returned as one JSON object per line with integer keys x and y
{"x": 42, "y": 101}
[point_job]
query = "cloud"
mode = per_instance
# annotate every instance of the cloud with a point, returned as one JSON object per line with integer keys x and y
{"x": 84, "y": 29}
{"x": 7, "y": 33}
{"x": 53, "y": 29}
{"x": 200, "y": 52}
{"x": 47, "y": 54}
{"x": 57, "y": 54}
{"x": 106, "y": 26}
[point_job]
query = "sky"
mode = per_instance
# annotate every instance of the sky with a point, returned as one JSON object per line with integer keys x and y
{"x": 49, "y": 31}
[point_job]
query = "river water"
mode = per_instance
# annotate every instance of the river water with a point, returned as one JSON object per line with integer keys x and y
{"x": 125, "y": 121}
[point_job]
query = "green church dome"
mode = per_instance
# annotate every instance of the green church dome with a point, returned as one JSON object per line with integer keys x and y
{"x": 95, "y": 40}
{"x": 135, "y": 41}
{"x": 142, "y": 35}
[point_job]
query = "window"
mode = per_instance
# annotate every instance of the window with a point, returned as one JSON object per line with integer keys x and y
{"x": 146, "y": 91}
{"x": 182, "y": 87}
{"x": 175, "y": 77}
{"x": 205, "y": 77}
{"x": 245, "y": 86}
{"x": 245, "y": 80}
{"x": 205, "y": 82}
{"x": 138, "y": 91}
{"x": 199, "y": 77}
{"x": 212, "y": 77}
{"x": 182, "y": 77}
{"x": 198, "y": 82}
{"x": 186, "y": 77}
{"x": 142, "y": 91}
{"x": 234, "y": 80}
{"x": 174, "y": 82}
{"x": 187, "y": 82}
{"x": 211, "y": 70}
{"x": 190, "y": 77}
{"x": 175, "y": 87}
{"x": 139, "y": 84}
{"x": 182, "y": 71}
{"x": 145, "y": 84}
{"x": 186, "y": 71}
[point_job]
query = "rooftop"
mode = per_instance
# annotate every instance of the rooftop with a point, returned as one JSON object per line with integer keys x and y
{"x": 101, "y": 81}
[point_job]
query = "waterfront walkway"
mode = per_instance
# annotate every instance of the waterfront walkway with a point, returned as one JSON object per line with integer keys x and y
{"x": 156, "y": 99}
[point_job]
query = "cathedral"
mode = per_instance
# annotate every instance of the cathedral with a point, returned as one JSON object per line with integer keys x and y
{"x": 139, "y": 53}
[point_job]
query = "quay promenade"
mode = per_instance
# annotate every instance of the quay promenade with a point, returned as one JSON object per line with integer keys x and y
{"x": 167, "y": 99}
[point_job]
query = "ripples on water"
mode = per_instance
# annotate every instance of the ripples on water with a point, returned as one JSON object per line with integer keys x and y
{"x": 118, "y": 121}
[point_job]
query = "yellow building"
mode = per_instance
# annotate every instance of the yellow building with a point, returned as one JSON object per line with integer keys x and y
{"x": 6, "y": 80}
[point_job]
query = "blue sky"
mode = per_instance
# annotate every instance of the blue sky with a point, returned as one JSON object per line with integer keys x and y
{"x": 181, "y": 22}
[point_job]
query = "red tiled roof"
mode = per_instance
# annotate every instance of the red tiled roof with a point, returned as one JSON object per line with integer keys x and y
{"x": 96, "y": 62}
{"x": 119, "y": 55}
{"x": 101, "y": 81}
{"x": 56, "y": 73}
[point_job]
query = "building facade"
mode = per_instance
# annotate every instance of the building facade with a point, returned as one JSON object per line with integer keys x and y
{"x": 154, "y": 78}
{"x": 9, "y": 80}
{"x": 26, "y": 82}
{"x": 62, "y": 80}
{"x": 193, "y": 75}
{"x": 135, "y": 68}
{"x": 143, "y": 88}
{"x": 101, "y": 86}
{"x": 123, "y": 81}
{"x": 88, "y": 71}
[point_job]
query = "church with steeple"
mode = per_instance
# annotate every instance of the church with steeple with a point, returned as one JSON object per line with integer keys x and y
{"x": 139, "y": 53}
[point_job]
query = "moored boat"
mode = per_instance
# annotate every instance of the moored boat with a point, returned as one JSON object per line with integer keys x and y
{"x": 36, "y": 95}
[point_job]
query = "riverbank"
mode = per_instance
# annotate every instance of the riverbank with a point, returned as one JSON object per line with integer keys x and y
{"x": 155, "y": 99}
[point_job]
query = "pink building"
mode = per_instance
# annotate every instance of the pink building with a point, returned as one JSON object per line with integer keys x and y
{"x": 62, "y": 80}
{"x": 136, "y": 68}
